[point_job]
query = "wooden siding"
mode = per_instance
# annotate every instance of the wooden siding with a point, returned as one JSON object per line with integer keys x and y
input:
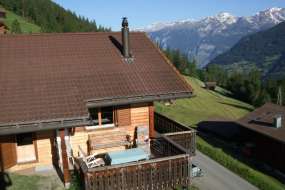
{"x": 44, "y": 147}
{"x": 123, "y": 114}
{"x": 139, "y": 115}
{"x": 8, "y": 157}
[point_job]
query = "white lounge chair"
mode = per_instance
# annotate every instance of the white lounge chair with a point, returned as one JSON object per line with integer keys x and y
{"x": 91, "y": 161}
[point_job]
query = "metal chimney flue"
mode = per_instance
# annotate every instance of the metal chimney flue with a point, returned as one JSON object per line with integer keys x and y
{"x": 125, "y": 38}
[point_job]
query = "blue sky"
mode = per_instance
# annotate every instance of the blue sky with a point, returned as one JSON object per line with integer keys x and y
{"x": 144, "y": 12}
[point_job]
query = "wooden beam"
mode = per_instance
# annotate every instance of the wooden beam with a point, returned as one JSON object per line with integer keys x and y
{"x": 65, "y": 168}
{"x": 151, "y": 120}
{"x": 99, "y": 116}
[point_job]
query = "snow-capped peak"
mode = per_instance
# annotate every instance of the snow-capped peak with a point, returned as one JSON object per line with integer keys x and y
{"x": 276, "y": 14}
{"x": 226, "y": 17}
{"x": 272, "y": 15}
{"x": 275, "y": 9}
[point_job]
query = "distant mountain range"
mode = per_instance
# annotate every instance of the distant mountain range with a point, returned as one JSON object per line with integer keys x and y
{"x": 209, "y": 37}
{"x": 263, "y": 50}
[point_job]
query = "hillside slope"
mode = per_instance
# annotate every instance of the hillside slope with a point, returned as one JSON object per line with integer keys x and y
{"x": 51, "y": 17}
{"x": 264, "y": 50}
{"x": 26, "y": 26}
{"x": 205, "y": 104}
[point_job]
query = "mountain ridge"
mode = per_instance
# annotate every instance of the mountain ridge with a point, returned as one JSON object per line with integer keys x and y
{"x": 211, "y": 36}
{"x": 264, "y": 51}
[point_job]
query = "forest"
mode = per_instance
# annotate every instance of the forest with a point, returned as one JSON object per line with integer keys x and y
{"x": 249, "y": 86}
{"x": 50, "y": 16}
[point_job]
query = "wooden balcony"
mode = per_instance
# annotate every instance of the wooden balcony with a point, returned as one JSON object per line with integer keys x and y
{"x": 176, "y": 133}
{"x": 168, "y": 167}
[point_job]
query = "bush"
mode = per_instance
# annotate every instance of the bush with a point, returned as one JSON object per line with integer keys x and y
{"x": 76, "y": 182}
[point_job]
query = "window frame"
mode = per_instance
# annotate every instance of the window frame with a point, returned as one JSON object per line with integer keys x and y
{"x": 100, "y": 125}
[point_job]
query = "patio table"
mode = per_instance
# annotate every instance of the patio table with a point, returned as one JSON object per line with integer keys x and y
{"x": 128, "y": 155}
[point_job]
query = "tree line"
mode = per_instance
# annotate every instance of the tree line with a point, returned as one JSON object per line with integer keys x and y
{"x": 51, "y": 17}
{"x": 248, "y": 86}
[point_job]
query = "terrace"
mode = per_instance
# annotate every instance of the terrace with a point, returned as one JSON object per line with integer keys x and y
{"x": 168, "y": 167}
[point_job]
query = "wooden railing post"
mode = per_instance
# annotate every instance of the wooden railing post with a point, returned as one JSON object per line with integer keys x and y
{"x": 65, "y": 167}
{"x": 151, "y": 121}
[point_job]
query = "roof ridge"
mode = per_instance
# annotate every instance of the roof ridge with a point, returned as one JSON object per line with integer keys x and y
{"x": 65, "y": 34}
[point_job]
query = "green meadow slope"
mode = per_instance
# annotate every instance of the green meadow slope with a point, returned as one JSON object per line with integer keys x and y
{"x": 208, "y": 104}
{"x": 26, "y": 26}
{"x": 205, "y": 104}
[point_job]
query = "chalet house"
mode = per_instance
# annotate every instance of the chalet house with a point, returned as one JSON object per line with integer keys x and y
{"x": 2, "y": 13}
{"x": 210, "y": 85}
{"x": 264, "y": 129}
{"x": 84, "y": 101}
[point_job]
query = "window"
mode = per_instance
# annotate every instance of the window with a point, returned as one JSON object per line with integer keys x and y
{"x": 107, "y": 115}
{"x": 101, "y": 117}
{"x": 24, "y": 139}
{"x": 94, "y": 116}
{"x": 25, "y": 148}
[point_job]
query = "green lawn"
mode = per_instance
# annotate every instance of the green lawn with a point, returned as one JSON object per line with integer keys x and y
{"x": 26, "y": 26}
{"x": 205, "y": 104}
{"x": 14, "y": 181}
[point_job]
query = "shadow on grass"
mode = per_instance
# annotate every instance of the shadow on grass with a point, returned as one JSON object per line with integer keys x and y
{"x": 233, "y": 149}
{"x": 5, "y": 181}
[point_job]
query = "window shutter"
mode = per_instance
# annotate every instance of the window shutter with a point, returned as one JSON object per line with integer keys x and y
{"x": 123, "y": 116}
{"x": 8, "y": 156}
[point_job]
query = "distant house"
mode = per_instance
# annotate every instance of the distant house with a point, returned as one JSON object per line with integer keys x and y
{"x": 66, "y": 96}
{"x": 210, "y": 85}
{"x": 3, "y": 27}
{"x": 264, "y": 129}
{"x": 2, "y": 13}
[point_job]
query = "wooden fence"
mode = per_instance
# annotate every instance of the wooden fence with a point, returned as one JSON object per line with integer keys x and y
{"x": 163, "y": 125}
{"x": 158, "y": 174}
{"x": 168, "y": 168}
{"x": 176, "y": 133}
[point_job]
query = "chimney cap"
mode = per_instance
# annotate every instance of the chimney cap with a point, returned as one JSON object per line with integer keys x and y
{"x": 125, "y": 22}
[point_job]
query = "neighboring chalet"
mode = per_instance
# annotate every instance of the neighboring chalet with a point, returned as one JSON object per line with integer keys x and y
{"x": 3, "y": 27}
{"x": 264, "y": 129}
{"x": 85, "y": 101}
{"x": 210, "y": 85}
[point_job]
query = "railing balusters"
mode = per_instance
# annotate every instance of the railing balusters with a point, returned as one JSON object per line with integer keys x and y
{"x": 171, "y": 167}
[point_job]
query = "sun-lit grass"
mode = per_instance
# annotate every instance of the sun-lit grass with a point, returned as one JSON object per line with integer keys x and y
{"x": 205, "y": 104}
{"x": 13, "y": 181}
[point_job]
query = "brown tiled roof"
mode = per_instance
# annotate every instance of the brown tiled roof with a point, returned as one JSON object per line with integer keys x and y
{"x": 50, "y": 76}
{"x": 261, "y": 121}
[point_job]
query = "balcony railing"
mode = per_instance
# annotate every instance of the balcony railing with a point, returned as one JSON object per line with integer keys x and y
{"x": 169, "y": 166}
{"x": 176, "y": 133}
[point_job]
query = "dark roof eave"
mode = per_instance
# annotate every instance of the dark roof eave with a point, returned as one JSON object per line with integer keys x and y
{"x": 27, "y": 127}
{"x": 136, "y": 99}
